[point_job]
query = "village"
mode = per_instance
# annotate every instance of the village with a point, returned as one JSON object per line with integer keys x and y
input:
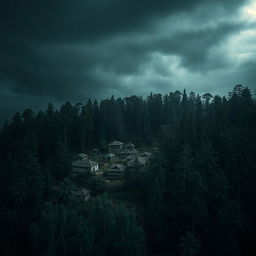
{"x": 108, "y": 168}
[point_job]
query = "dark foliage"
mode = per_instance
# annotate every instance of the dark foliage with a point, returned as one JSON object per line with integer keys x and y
{"x": 197, "y": 196}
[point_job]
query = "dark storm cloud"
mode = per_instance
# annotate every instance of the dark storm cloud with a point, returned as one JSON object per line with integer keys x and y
{"x": 54, "y": 20}
{"x": 52, "y": 50}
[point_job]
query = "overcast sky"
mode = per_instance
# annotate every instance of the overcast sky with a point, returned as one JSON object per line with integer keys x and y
{"x": 54, "y": 51}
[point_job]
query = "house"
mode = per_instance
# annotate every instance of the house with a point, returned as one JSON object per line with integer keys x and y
{"x": 125, "y": 153}
{"x": 82, "y": 166}
{"x": 116, "y": 170}
{"x": 115, "y": 147}
{"x": 94, "y": 151}
{"x": 86, "y": 194}
{"x": 146, "y": 154}
{"x": 113, "y": 173}
{"x": 82, "y": 156}
{"x": 130, "y": 157}
{"x": 109, "y": 157}
{"x": 70, "y": 191}
{"x": 119, "y": 167}
{"x": 136, "y": 162}
{"x": 129, "y": 147}
{"x": 80, "y": 194}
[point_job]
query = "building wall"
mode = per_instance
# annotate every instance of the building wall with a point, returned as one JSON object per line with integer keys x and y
{"x": 95, "y": 168}
{"x": 130, "y": 148}
{"x": 79, "y": 169}
{"x": 115, "y": 149}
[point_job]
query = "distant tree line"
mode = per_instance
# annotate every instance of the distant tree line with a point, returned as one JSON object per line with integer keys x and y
{"x": 197, "y": 196}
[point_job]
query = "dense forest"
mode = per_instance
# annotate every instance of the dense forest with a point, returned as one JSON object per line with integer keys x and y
{"x": 196, "y": 197}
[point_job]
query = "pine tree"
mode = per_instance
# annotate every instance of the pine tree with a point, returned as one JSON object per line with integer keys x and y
{"x": 189, "y": 245}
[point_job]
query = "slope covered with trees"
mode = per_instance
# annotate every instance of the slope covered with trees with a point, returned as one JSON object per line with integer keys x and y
{"x": 197, "y": 196}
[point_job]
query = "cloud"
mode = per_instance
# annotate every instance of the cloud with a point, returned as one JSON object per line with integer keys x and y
{"x": 52, "y": 51}
{"x": 50, "y": 20}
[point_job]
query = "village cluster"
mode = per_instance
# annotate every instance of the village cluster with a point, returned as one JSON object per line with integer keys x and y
{"x": 120, "y": 158}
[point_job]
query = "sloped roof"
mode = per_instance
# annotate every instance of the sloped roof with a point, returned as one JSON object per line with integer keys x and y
{"x": 76, "y": 191}
{"x": 86, "y": 192}
{"x": 147, "y": 154}
{"x": 137, "y": 161}
{"x": 125, "y": 152}
{"x": 113, "y": 172}
{"x": 95, "y": 150}
{"x": 116, "y": 143}
{"x": 82, "y": 155}
{"x": 110, "y": 155}
{"x": 130, "y": 157}
{"x": 130, "y": 144}
{"x": 84, "y": 163}
{"x": 120, "y": 167}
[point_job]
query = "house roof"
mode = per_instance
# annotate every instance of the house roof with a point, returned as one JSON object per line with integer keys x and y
{"x": 137, "y": 161}
{"x": 82, "y": 155}
{"x": 113, "y": 172}
{"x": 146, "y": 154}
{"x": 84, "y": 163}
{"x": 119, "y": 167}
{"x": 125, "y": 152}
{"x": 109, "y": 155}
{"x": 86, "y": 192}
{"x": 116, "y": 143}
{"x": 95, "y": 150}
{"x": 76, "y": 191}
{"x": 130, "y": 144}
{"x": 131, "y": 157}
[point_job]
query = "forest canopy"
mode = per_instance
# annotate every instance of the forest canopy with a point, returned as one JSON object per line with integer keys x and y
{"x": 197, "y": 195}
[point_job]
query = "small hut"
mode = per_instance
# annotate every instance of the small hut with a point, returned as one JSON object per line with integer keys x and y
{"x": 129, "y": 147}
{"x": 109, "y": 157}
{"x": 115, "y": 147}
{"x": 80, "y": 194}
{"x": 115, "y": 171}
